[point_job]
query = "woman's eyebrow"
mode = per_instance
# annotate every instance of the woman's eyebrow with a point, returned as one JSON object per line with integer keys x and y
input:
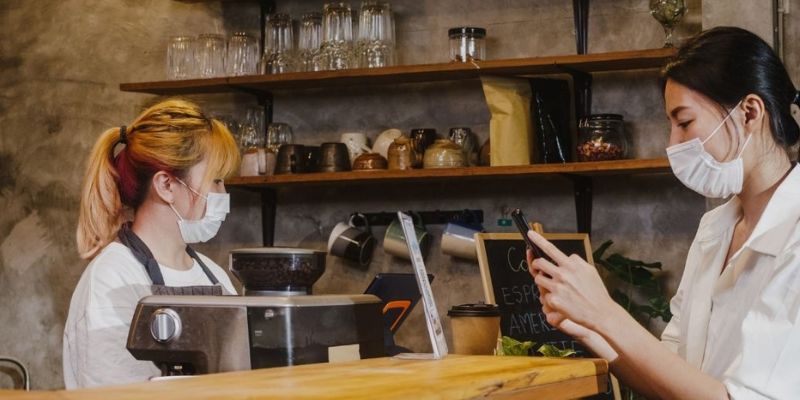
{"x": 676, "y": 110}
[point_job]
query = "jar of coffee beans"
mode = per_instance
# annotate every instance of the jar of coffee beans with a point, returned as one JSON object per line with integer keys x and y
{"x": 601, "y": 137}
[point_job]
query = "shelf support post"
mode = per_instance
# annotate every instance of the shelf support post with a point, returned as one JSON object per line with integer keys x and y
{"x": 269, "y": 203}
{"x": 580, "y": 10}
{"x": 583, "y": 202}
{"x": 582, "y": 88}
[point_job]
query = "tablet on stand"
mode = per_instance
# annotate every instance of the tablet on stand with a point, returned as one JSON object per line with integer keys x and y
{"x": 432, "y": 319}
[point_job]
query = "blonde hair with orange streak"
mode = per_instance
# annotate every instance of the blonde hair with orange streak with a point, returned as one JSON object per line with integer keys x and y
{"x": 171, "y": 136}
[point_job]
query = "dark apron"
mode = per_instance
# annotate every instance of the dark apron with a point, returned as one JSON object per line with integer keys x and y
{"x": 143, "y": 254}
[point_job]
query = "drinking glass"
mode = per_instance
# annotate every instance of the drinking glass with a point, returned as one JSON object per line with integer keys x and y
{"x": 375, "y": 44}
{"x": 337, "y": 33}
{"x": 311, "y": 42}
{"x": 253, "y": 152}
{"x": 180, "y": 57}
{"x": 279, "y": 56}
{"x": 242, "y": 55}
{"x": 278, "y": 134}
{"x": 210, "y": 55}
{"x": 668, "y": 13}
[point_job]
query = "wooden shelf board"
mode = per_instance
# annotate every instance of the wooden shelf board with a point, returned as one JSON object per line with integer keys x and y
{"x": 602, "y": 62}
{"x": 622, "y": 167}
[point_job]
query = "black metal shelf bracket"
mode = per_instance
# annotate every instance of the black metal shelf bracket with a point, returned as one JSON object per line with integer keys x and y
{"x": 582, "y": 186}
{"x": 269, "y": 204}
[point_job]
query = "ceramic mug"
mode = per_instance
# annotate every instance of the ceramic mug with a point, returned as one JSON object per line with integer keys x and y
{"x": 352, "y": 240}
{"x": 394, "y": 242}
{"x": 291, "y": 159}
{"x": 458, "y": 240}
{"x": 356, "y": 144}
{"x": 384, "y": 140}
{"x": 334, "y": 157}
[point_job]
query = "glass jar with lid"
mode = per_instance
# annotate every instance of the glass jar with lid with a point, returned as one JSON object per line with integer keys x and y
{"x": 467, "y": 44}
{"x": 601, "y": 137}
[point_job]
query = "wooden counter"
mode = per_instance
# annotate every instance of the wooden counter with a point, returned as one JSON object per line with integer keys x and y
{"x": 456, "y": 377}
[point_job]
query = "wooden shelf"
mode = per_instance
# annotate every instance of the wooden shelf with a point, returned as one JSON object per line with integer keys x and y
{"x": 616, "y": 61}
{"x": 622, "y": 167}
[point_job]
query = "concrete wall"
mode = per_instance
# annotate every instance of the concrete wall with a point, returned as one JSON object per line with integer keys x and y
{"x": 61, "y": 62}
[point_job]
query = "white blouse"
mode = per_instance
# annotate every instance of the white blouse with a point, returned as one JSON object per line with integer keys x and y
{"x": 100, "y": 316}
{"x": 741, "y": 324}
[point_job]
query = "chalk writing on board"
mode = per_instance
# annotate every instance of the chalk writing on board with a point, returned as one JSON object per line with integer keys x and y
{"x": 518, "y": 297}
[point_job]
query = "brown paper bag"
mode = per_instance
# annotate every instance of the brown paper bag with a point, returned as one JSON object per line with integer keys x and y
{"x": 510, "y": 130}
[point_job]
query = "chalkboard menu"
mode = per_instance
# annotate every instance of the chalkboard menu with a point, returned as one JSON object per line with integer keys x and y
{"x": 507, "y": 283}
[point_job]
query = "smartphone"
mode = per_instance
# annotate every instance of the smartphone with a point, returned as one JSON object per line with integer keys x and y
{"x": 524, "y": 227}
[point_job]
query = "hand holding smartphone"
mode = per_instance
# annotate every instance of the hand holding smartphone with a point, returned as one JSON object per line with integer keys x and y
{"x": 524, "y": 227}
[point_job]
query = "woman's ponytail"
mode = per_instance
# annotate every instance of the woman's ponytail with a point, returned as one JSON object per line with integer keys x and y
{"x": 101, "y": 212}
{"x": 171, "y": 136}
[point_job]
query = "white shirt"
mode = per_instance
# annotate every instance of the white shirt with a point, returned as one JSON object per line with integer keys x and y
{"x": 100, "y": 316}
{"x": 741, "y": 325}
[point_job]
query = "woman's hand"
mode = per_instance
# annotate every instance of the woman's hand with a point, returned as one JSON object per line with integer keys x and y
{"x": 571, "y": 290}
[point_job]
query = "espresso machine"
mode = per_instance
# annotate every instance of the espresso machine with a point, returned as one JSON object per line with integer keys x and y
{"x": 278, "y": 322}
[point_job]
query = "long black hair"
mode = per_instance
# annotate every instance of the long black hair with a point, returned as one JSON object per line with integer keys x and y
{"x": 726, "y": 64}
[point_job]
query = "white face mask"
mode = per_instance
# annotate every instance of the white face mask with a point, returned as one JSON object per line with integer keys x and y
{"x": 701, "y": 172}
{"x": 218, "y": 205}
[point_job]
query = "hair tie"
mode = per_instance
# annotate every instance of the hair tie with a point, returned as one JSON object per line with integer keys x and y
{"x": 123, "y": 137}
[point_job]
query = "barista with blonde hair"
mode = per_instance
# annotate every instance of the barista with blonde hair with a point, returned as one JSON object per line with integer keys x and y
{"x": 167, "y": 170}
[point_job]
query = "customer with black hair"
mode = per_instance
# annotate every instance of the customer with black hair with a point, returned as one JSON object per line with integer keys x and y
{"x": 735, "y": 331}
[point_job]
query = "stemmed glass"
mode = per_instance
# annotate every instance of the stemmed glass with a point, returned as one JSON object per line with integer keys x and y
{"x": 668, "y": 13}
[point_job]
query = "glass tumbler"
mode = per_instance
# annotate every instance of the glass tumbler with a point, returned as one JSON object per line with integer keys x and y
{"x": 242, "y": 55}
{"x": 278, "y": 134}
{"x": 180, "y": 57}
{"x": 210, "y": 55}
{"x": 279, "y": 56}
{"x": 337, "y": 36}
{"x": 375, "y": 45}
{"x": 311, "y": 42}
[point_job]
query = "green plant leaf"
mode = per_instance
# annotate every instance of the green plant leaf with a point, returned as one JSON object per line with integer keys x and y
{"x": 512, "y": 347}
{"x": 598, "y": 254}
{"x": 657, "y": 307}
{"x": 636, "y": 276}
{"x": 619, "y": 259}
{"x": 625, "y": 301}
{"x": 548, "y": 350}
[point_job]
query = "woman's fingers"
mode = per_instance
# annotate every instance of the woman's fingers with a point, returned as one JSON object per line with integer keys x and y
{"x": 542, "y": 265}
{"x": 547, "y": 247}
{"x": 545, "y": 283}
{"x": 531, "y": 267}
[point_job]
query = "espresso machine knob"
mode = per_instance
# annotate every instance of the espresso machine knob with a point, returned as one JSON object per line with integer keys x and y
{"x": 165, "y": 325}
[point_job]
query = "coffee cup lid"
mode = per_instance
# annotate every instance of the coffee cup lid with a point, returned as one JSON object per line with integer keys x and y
{"x": 474, "y": 310}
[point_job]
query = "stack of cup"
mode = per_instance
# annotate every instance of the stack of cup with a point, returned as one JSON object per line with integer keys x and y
{"x": 375, "y": 46}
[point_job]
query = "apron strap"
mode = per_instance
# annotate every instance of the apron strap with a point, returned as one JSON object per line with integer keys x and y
{"x": 143, "y": 254}
{"x": 203, "y": 266}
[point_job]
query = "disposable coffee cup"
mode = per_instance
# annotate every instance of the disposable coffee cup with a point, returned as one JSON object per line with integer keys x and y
{"x": 475, "y": 328}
